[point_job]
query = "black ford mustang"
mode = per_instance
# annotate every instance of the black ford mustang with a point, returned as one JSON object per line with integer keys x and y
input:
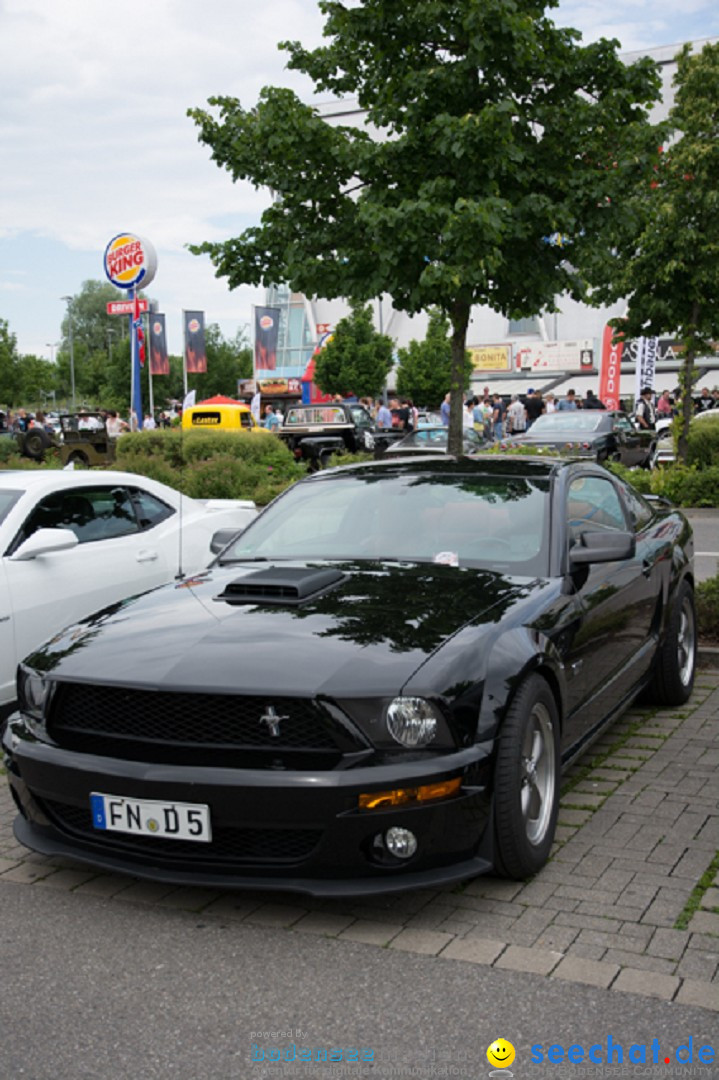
{"x": 603, "y": 435}
{"x": 372, "y": 689}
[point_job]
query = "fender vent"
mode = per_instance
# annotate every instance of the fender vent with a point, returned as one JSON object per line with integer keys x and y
{"x": 281, "y": 585}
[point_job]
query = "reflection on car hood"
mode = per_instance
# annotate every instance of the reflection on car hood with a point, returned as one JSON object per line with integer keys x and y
{"x": 370, "y": 633}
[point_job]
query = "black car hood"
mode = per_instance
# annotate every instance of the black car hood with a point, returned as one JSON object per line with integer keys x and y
{"x": 368, "y": 633}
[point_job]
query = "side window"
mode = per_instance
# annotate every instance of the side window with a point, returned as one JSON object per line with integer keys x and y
{"x": 150, "y": 511}
{"x": 246, "y": 420}
{"x": 593, "y": 503}
{"x": 639, "y": 509}
{"x": 623, "y": 424}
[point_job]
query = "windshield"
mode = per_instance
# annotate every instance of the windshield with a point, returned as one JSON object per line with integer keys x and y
{"x": 571, "y": 420}
{"x": 7, "y": 501}
{"x": 498, "y": 522}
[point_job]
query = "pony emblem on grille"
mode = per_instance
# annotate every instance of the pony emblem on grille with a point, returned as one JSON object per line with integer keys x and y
{"x": 272, "y": 720}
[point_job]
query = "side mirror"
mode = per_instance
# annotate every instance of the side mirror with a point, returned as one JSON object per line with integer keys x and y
{"x": 222, "y": 538}
{"x": 44, "y": 542}
{"x": 600, "y": 547}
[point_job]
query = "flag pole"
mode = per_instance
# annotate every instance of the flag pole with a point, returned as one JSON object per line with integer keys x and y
{"x": 132, "y": 359}
{"x": 148, "y": 361}
{"x": 184, "y": 352}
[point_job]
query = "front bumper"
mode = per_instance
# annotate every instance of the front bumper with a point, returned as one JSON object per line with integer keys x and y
{"x": 272, "y": 829}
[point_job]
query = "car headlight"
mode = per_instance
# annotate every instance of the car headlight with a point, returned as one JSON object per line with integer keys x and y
{"x": 412, "y": 721}
{"x": 33, "y": 692}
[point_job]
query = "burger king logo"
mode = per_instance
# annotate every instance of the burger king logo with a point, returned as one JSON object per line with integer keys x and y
{"x": 266, "y": 322}
{"x": 130, "y": 261}
{"x": 157, "y": 328}
{"x": 193, "y": 325}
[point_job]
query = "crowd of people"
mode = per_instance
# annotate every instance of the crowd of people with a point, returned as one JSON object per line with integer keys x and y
{"x": 497, "y": 417}
{"x": 492, "y": 414}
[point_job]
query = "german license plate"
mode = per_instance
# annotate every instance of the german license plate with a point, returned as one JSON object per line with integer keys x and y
{"x": 151, "y": 817}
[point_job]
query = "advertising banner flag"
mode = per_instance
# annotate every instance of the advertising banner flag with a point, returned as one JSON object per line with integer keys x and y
{"x": 610, "y": 369}
{"x": 195, "y": 354}
{"x": 267, "y": 326}
{"x": 159, "y": 360}
{"x": 647, "y": 363}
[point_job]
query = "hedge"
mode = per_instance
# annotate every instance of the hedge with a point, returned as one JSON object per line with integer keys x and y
{"x": 212, "y": 464}
{"x": 684, "y": 485}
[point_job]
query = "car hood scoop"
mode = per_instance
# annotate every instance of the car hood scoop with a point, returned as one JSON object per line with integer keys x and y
{"x": 281, "y": 585}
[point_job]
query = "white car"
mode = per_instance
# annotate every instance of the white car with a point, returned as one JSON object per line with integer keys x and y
{"x": 73, "y": 542}
{"x": 664, "y": 450}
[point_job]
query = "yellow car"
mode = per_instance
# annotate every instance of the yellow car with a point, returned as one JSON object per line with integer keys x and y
{"x": 211, "y": 416}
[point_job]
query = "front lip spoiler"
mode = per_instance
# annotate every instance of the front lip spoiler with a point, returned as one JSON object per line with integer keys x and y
{"x": 39, "y": 841}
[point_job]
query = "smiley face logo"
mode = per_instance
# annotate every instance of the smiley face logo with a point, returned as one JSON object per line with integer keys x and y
{"x": 500, "y": 1053}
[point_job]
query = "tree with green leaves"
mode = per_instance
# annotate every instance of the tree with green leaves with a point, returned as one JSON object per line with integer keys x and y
{"x": 669, "y": 268}
{"x": 356, "y": 359}
{"x": 488, "y": 130}
{"x": 10, "y": 377}
{"x": 425, "y": 367}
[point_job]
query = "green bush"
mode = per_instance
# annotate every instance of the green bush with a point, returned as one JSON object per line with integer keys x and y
{"x": 703, "y": 442}
{"x": 10, "y": 458}
{"x": 707, "y": 598}
{"x": 212, "y": 464}
{"x": 685, "y": 485}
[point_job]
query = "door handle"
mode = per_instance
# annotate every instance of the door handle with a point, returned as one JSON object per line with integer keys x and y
{"x": 647, "y": 567}
{"x": 146, "y": 555}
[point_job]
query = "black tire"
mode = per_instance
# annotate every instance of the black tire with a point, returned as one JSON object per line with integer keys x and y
{"x": 526, "y": 781}
{"x": 34, "y": 443}
{"x": 675, "y": 662}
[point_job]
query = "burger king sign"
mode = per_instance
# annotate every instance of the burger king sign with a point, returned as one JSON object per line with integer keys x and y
{"x": 130, "y": 261}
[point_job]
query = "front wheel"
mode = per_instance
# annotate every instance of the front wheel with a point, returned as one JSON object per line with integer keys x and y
{"x": 673, "y": 679}
{"x": 526, "y": 792}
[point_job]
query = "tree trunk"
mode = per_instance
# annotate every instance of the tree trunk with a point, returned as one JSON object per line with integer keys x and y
{"x": 686, "y": 378}
{"x": 460, "y": 320}
{"x": 685, "y": 381}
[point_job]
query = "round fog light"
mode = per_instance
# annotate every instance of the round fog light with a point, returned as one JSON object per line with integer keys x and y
{"x": 400, "y": 842}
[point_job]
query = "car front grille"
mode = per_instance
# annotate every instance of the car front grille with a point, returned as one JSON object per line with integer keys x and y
{"x": 228, "y": 845}
{"x": 156, "y": 725}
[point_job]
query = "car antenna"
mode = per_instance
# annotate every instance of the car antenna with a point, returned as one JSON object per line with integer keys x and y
{"x": 180, "y": 573}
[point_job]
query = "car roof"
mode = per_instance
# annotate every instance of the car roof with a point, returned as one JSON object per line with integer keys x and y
{"x": 28, "y": 479}
{"x": 443, "y": 464}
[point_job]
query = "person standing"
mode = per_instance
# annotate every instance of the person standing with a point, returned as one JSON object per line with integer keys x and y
{"x": 498, "y": 417}
{"x": 271, "y": 421}
{"x": 534, "y": 406}
{"x": 664, "y": 405}
{"x": 444, "y": 410}
{"x": 516, "y": 417}
{"x": 592, "y": 402}
{"x": 646, "y": 413}
{"x": 568, "y": 403}
{"x": 384, "y": 416}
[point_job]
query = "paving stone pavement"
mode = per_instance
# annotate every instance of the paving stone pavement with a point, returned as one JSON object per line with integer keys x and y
{"x": 638, "y": 830}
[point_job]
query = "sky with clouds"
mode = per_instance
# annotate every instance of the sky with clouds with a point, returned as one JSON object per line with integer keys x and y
{"x": 95, "y": 138}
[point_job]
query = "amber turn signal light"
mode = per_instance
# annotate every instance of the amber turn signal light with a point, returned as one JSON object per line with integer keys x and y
{"x": 379, "y": 800}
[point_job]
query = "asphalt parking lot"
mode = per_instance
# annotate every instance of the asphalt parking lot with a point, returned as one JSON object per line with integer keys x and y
{"x": 628, "y": 903}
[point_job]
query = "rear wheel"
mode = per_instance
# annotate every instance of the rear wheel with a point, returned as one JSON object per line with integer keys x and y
{"x": 673, "y": 679}
{"x": 78, "y": 458}
{"x": 526, "y": 787}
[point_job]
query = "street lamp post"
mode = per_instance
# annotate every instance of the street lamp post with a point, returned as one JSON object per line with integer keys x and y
{"x": 72, "y": 354}
{"x": 110, "y": 331}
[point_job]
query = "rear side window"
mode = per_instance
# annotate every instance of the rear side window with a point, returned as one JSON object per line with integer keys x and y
{"x": 150, "y": 510}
